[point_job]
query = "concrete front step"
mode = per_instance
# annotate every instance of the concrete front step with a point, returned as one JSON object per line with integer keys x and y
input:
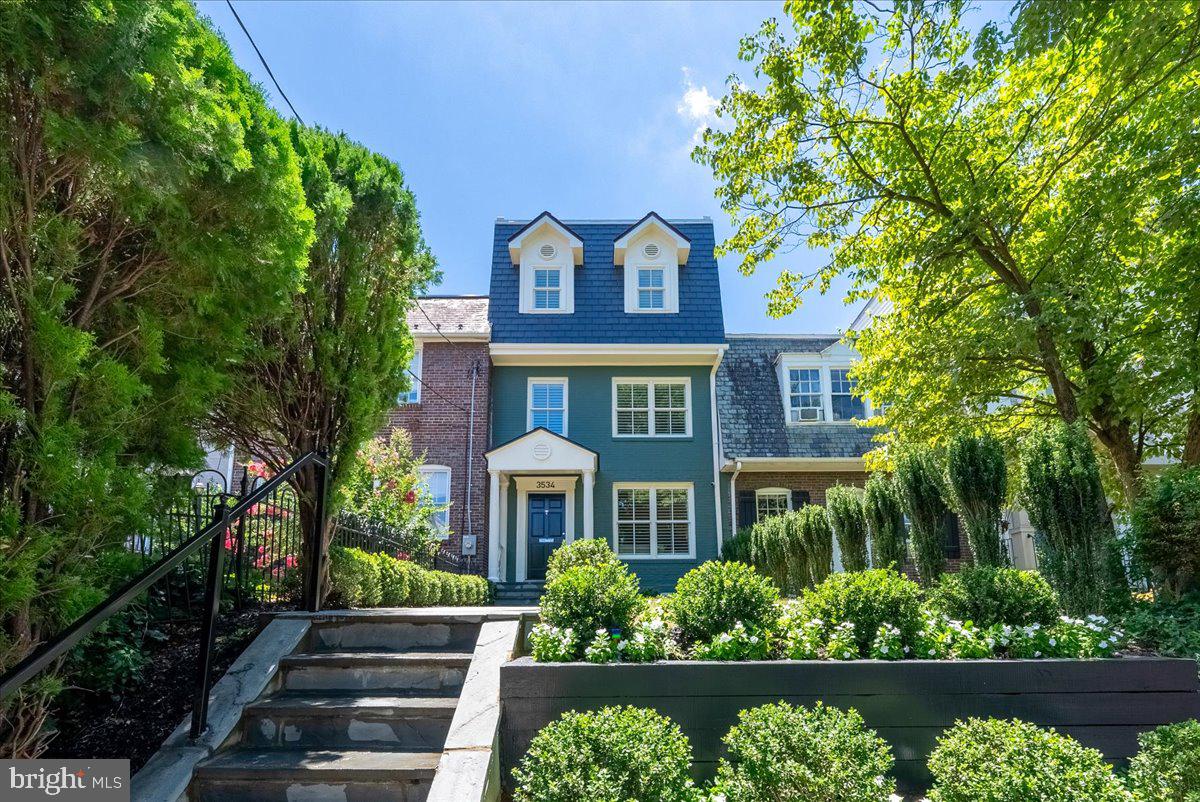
{"x": 397, "y": 635}
{"x": 423, "y": 673}
{"x": 244, "y": 775}
{"x": 349, "y": 722}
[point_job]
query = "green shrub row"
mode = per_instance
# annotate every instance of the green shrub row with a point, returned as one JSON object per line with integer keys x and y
{"x": 360, "y": 579}
{"x": 780, "y": 752}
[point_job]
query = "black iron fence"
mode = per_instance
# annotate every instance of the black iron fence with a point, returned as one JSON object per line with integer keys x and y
{"x": 370, "y": 535}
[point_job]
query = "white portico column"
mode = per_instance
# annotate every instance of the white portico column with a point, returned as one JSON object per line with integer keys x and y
{"x": 504, "y": 527}
{"x": 589, "y": 483}
{"x": 494, "y": 526}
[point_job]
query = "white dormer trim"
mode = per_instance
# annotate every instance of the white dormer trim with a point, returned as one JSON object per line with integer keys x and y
{"x": 536, "y": 229}
{"x": 836, "y": 356}
{"x": 650, "y": 253}
{"x": 681, "y": 245}
{"x": 546, "y": 253}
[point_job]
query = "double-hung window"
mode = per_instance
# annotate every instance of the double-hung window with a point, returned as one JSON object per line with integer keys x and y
{"x": 772, "y": 501}
{"x": 651, "y": 408}
{"x": 436, "y": 481}
{"x": 651, "y": 291}
{"x": 413, "y": 395}
{"x": 841, "y": 393}
{"x": 547, "y": 288}
{"x": 804, "y": 395}
{"x": 654, "y": 521}
{"x": 548, "y": 405}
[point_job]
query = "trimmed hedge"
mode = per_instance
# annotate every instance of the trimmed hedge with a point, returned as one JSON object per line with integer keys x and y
{"x": 713, "y": 598}
{"x": 359, "y": 579}
{"x": 1167, "y": 765}
{"x": 990, "y": 596}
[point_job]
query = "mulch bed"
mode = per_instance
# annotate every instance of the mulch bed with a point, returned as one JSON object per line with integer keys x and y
{"x": 134, "y": 724}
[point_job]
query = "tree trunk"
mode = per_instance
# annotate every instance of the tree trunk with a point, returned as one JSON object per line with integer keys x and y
{"x": 1191, "y": 439}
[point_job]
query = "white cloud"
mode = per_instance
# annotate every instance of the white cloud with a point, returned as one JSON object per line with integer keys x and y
{"x": 697, "y": 107}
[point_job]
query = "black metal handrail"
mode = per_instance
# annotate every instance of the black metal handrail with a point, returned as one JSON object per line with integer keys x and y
{"x": 56, "y": 647}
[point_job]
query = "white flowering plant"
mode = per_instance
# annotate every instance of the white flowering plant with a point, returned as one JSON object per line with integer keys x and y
{"x": 551, "y": 644}
{"x": 606, "y": 647}
{"x": 968, "y": 642}
{"x": 842, "y": 644}
{"x": 803, "y": 641}
{"x": 647, "y": 642}
{"x": 888, "y": 644}
{"x": 737, "y": 643}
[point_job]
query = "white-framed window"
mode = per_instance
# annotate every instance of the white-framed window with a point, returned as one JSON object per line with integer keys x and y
{"x": 413, "y": 396}
{"x": 652, "y": 407}
{"x": 548, "y": 405}
{"x": 772, "y": 501}
{"x": 805, "y": 399}
{"x": 841, "y": 395}
{"x": 547, "y": 279}
{"x": 436, "y": 479}
{"x": 547, "y": 288}
{"x": 651, "y": 288}
{"x": 654, "y": 521}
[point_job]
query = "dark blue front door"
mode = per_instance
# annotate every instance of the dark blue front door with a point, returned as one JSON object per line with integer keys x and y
{"x": 547, "y": 528}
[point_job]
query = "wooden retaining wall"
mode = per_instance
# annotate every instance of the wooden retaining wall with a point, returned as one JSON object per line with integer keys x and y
{"x": 1102, "y": 703}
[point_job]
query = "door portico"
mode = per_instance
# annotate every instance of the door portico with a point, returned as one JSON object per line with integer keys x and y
{"x": 538, "y": 462}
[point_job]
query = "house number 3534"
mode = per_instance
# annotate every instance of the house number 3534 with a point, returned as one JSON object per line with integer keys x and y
{"x": 545, "y": 485}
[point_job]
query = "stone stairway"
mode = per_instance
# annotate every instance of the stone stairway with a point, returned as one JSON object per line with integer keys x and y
{"x": 519, "y": 593}
{"x": 360, "y": 712}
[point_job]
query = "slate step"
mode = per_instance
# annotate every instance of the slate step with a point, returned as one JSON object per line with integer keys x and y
{"x": 397, "y": 635}
{"x": 416, "y": 723}
{"x": 245, "y": 775}
{"x": 421, "y": 673}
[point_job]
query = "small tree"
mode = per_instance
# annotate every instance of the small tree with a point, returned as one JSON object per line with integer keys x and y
{"x": 799, "y": 556}
{"x": 918, "y": 480}
{"x": 885, "y": 522}
{"x": 977, "y": 480}
{"x": 812, "y": 525}
{"x": 1166, "y": 530}
{"x": 844, "y": 508}
{"x": 1074, "y": 533}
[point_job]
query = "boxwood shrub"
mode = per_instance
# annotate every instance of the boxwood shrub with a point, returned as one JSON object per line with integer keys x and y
{"x": 780, "y": 752}
{"x": 592, "y": 551}
{"x": 360, "y": 579}
{"x": 1014, "y": 761}
{"x": 1167, "y": 765}
{"x": 614, "y": 754}
{"x": 990, "y": 596}
{"x": 588, "y": 597}
{"x": 868, "y": 600}
{"x": 714, "y": 597}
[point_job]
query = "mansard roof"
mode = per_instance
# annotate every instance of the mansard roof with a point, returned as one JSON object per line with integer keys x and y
{"x": 455, "y": 316}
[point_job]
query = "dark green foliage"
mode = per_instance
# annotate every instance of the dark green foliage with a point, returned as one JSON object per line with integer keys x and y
{"x": 1166, "y": 530}
{"x": 616, "y": 754}
{"x": 990, "y": 596}
{"x": 776, "y": 552}
{"x": 778, "y": 752}
{"x": 977, "y": 481}
{"x": 1014, "y": 761}
{"x": 359, "y": 579}
{"x": 847, "y": 519}
{"x": 1077, "y": 549}
{"x": 1167, "y": 765}
{"x": 354, "y": 577}
{"x": 593, "y": 551}
{"x": 885, "y": 522}
{"x": 710, "y": 599}
{"x": 866, "y": 599}
{"x": 589, "y": 597}
{"x": 737, "y": 548}
{"x": 812, "y": 530}
{"x": 1166, "y": 626}
{"x": 918, "y": 479}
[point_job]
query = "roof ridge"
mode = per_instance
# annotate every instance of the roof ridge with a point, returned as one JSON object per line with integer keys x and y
{"x": 783, "y": 336}
{"x": 451, "y": 296}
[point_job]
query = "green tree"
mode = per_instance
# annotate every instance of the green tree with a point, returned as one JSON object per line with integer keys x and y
{"x": 150, "y": 211}
{"x": 977, "y": 480}
{"x": 812, "y": 527}
{"x": 1077, "y": 549}
{"x": 1166, "y": 530}
{"x": 328, "y": 369}
{"x": 844, "y": 508}
{"x": 1021, "y": 197}
{"x": 885, "y": 522}
{"x": 918, "y": 480}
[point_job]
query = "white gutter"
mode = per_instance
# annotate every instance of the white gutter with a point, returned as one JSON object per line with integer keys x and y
{"x": 737, "y": 468}
{"x": 716, "y": 441}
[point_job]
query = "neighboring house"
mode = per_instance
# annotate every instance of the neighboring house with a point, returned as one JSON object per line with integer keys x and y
{"x": 446, "y": 415}
{"x": 606, "y": 337}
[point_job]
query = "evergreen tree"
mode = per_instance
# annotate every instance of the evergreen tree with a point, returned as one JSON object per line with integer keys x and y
{"x": 885, "y": 522}
{"x": 977, "y": 478}
{"x": 918, "y": 480}
{"x": 844, "y": 508}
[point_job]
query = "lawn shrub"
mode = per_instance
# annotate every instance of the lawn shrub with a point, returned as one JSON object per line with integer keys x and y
{"x": 737, "y": 548}
{"x": 781, "y": 753}
{"x": 1166, "y": 530}
{"x": 885, "y": 522}
{"x": 812, "y": 530}
{"x": 988, "y": 596}
{"x": 395, "y": 576}
{"x": 867, "y": 599}
{"x": 589, "y": 597}
{"x": 1166, "y": 626}
{"x": 590, "y": 551}
{"x": 844, "y": 509}
{"x": 919, "y": 481}
{"x": 360, "y": 579}
{"x": 1014, "y": 761}
{"x": 709, "y": 599}
{"x": 354, "y": 577}
{"x": 1167, "y": 765}
{"x": 977, "y": 482}
{"x": 736, "y": 643}
{"x": 613, "y": 754}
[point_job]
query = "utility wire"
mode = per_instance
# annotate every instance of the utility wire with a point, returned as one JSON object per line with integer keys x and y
{"x": 431, "y": 323}
{"x": 428, "y": 387}
{"x": 263, "y": 60}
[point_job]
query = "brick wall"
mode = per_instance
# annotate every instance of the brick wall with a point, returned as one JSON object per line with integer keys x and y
{"x": 440, "y": 427}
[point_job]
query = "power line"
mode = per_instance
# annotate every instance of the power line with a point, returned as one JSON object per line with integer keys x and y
{"x": 263, "y": 60}
{"x": 431, "y": 323}
{"x": 428, "y": 387}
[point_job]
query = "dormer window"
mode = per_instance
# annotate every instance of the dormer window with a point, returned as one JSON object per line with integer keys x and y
{"x": 546, "y": 252}
{"x": 817, "y": 387}
{"x": 651, "y": 252}
{"x": 804, "y": 393}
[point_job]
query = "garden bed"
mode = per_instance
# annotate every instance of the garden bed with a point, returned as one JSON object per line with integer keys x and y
{"x": 1102, "y": 703}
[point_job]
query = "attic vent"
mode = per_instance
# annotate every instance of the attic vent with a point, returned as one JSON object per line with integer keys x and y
{"x": 651, "y": 251}
{"x": 547, "y": 251}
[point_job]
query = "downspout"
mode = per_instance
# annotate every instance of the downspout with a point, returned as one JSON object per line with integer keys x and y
{"x": 716, "y": 439}
{"x": 737, "y": 468}
{"x": 471, "y": 453}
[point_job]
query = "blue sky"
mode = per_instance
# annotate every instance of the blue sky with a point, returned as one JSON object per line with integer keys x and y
{"x": 506, "y": 109}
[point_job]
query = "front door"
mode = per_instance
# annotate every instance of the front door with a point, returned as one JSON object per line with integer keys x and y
{"x": 547, "y": 528}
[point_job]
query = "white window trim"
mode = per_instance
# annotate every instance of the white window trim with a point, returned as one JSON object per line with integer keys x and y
{"x": 686, "y": 381}
{"x": 667, "y": 261}
{"x": 532, "y": 380}
{"x": 654, "y": 555}
{"x": 824, "y": 364}
{"x": 413, "y": 396}
{"x": 772, "y": 491}
{"x": 425, "y": 470}
{"x": 563, "y": 262}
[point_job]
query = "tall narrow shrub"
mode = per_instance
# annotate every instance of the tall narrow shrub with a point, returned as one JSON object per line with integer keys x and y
{"x": 885, "y": 522}
{"x": 1166, "y": 530}
{"x": 799, "y": 558}
{"x": 977, "y": 480}
{"x": 813, "y": 527}
{"x": 918, "y": 480}
{"x": 1076, "y": 543}
{"x": 844, "y": 508}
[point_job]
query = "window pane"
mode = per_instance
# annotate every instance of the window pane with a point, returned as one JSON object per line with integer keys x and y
{"x": 845, "y": 405}
{"x": 547, "y": 406}
{"x": 672, "y": 538}
{"x": 804, "y": 394}
{"x": 771, "y": 504}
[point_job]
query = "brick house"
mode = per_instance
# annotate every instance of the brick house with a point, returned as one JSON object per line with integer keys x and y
{"x": 447, "y": 414}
